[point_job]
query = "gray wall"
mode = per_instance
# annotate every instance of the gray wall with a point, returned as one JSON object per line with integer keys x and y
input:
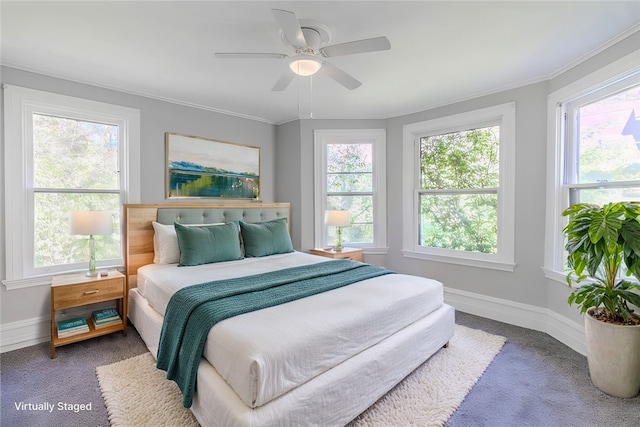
{"x": 557, "y": 293}
{"x": 288, "y": 167}
{"x": 287, "y": 175}
{"x": 156, "y": 118}
{"x": 525, "y": 284}
{"x": 295, "y": 170}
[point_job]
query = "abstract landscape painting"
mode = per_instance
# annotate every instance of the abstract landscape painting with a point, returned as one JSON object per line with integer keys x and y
{"x": 201, "y": 167}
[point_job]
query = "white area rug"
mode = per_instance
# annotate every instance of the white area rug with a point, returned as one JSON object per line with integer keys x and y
{"x": 427, "y": 397}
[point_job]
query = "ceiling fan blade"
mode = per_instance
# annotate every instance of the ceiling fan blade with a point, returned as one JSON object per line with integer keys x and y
{"x": 233, "y": 55}
{"x": 283, "y": 81}
{"x": 340, "y": 76}
{"x": 290, "y": 27}
{"x": 360, "y": 46}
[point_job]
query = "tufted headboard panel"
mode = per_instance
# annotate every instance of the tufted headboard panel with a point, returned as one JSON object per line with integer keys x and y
{"x": 214, "y": 215}
{"x": 138, "y": 228}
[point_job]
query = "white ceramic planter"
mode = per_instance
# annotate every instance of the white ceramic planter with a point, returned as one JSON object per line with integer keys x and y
{"x": 613, "y": 353}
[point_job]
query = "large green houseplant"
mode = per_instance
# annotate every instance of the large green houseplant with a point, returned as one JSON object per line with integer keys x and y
{"x": 600, "y": 241}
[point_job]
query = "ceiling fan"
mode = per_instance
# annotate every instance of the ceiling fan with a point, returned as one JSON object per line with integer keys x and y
{"x": 309, "y": 38}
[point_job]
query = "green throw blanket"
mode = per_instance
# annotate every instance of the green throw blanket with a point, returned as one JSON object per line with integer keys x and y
{"x": 192, "y": 311}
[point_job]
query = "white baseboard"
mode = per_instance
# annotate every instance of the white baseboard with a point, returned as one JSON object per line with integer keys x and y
{"x": 24, "y": 333}
{"x": 567, "y": 332}
{"x": 527, "y": 316}
{"x": 29, "y": 332}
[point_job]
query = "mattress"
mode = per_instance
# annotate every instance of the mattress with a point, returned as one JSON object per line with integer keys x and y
{"x": 264, "y": 354}
{"x": 331, "y": 399}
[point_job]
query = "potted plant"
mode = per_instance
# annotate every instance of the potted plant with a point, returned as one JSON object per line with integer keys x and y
{"x": 600, "y": 241}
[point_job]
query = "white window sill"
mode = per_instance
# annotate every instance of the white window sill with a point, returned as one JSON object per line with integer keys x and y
{"x": 469, "y": 262}
{"x": 30, "y": 282}
{"x": 561, "y": 278}
{"x": 45, "y": 279}
{"x": 556, "y": 276}
{"x": 366, "y": 250}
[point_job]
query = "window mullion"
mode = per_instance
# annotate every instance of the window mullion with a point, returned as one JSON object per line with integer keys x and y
{"x": 488, "y": 190}
{"x": 350, "y": 173}
{"x": 606, "y": 184}
{"x": 349, "y": 193}
{"x": 75, "y": 191}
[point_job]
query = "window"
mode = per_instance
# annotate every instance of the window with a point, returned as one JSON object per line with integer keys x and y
{"x": 75, "y": 168}
{"x": 350, "y": 176}
{"x": 594, "y": 149}
{"x": 64, "y": 154}
{"x": 459, "y": 188}
{"x": 602, "y": 148}
{"x": 458, "y": 194}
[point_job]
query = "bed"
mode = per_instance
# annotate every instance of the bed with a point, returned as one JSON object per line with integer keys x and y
{"x": 319, "y": 360}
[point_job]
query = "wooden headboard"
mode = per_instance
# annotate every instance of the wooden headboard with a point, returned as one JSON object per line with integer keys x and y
{"x": 138, "y": 230}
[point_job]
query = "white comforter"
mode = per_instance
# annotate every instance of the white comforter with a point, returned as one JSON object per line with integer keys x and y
{"x": 266, "y": 353}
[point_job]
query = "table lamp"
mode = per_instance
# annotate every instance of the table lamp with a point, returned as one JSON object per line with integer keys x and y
{"x": 91, "y": 223}
{"x": 337, "y": 219}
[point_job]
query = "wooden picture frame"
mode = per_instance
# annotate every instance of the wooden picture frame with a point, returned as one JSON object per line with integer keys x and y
{"x": 208, "y": 168}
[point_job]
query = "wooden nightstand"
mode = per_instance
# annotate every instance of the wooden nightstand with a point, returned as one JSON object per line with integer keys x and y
{"x": 354, "y": 254}
{"x": 75, "y": 290}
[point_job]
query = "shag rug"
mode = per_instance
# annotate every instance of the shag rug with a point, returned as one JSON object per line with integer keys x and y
{"x": 426, "y": 397}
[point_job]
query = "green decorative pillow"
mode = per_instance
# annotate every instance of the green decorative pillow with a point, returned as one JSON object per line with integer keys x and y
{"x": 266, "y": 238}
{"x": 204, "y": 245}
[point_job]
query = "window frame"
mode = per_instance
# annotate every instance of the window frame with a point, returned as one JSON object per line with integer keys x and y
{"x": 609, "y": 79}
{"x": 20, "y": 103}
{"x": 569, "y": 113}
{"x": 504, "y": 115}
{"x": 343, "y": 136}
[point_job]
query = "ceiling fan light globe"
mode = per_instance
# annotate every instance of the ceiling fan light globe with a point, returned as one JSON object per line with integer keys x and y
{"x": 305, "y": 66}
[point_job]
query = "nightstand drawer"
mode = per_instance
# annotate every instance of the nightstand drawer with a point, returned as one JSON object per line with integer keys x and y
{"x": 87, "y": 293}
{"x": 352, "y": 257}
{"x": 354, "y": 254}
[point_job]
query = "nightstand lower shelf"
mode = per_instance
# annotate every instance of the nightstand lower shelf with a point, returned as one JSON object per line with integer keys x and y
{"x": 93, "y": 332}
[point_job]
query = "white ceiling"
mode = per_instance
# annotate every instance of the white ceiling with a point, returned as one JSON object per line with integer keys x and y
{"x": 441, "y": 52}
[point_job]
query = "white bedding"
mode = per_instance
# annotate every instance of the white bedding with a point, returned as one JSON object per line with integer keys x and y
{"x": 266, "y": 353}
{"x": 158, "y": 282}
{"x": 329, "y": 400}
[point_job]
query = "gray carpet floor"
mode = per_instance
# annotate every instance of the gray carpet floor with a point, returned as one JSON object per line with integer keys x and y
{"x": 534, "y": 381}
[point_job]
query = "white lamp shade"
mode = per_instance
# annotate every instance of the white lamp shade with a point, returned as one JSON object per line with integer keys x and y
{"x": 305, "y": 65}
{"x": 337, "y": 218}
{"x": 91, "y": 223}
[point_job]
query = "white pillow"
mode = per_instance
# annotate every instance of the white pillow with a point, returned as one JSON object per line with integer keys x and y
{"x": 165, "y": 242}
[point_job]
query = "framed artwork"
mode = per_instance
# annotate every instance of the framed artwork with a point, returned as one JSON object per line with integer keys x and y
{"x": 202, "y": 167}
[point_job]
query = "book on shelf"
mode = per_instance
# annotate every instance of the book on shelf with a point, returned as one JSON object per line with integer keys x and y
{"x": 106, "y": 317}
{"x": 106, "y": 314}
{"x": 69, "y": 324}
{"x": 71, "y": 333}
{"x": 70, "y": 327}
{"x": 104, "y": 325}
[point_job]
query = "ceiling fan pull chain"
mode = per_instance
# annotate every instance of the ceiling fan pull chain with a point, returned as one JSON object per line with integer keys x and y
{"x": 305, "y": 96}
{"x": 310, "y": 98}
